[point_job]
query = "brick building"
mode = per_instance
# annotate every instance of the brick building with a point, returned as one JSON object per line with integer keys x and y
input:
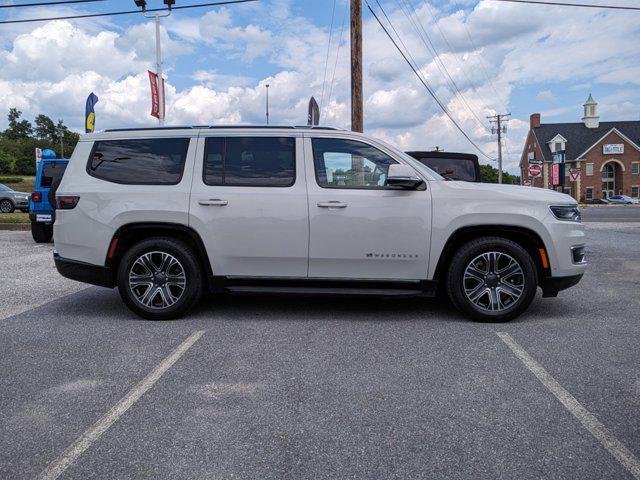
{"x": 607, "y": 154}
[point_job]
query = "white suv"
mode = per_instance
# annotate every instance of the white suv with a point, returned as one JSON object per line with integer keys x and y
{"x": 165, "y": 214}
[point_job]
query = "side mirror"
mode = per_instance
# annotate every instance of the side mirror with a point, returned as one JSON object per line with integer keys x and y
{"x": 403, "y": 176}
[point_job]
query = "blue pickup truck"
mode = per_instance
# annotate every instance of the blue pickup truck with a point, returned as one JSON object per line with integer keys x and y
{"x": 42, "y": 206}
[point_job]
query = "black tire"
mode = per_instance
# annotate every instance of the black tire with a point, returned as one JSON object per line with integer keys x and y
{"x": 6, "y": 206}
{"x": 41, "y": 232}
{"x": 464, "y": 284}
{"x": 186, "y": 297}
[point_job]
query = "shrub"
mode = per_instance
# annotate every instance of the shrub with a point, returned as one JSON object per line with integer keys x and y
{"x": 9, "y": 180}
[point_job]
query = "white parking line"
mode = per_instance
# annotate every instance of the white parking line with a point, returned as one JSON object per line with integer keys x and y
{"x": 77, "y": 448}
{"x": 588, "y": 420}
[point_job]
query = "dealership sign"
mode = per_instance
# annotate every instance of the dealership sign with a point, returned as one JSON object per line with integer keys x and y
{"x": 555, "y": 173}
{"x": 613, "y": 149}
{"x": 526, "y": 182}
{"x": 535, "y": 170}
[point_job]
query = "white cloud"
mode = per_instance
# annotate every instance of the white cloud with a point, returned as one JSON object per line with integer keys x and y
{"x": 490, "y": 50}
{"x": 546, "y": 96}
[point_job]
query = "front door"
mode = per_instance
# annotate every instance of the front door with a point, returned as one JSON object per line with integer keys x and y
{"x": 249, "y": 203}
{"x": 359, "y": 227}
{"x": 608, "y": 180}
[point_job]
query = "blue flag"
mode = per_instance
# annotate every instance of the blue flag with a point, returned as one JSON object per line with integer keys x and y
{"x": 89, "y": 113}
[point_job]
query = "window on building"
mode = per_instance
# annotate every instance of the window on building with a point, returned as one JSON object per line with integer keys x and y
{"x": 158, "y": 161}
{"x": 635, "y": 168}
{"x": 635, "y": 191}
{"x": 589, "y": 193}
{"x": 250, "y": 161}
{"x": 350, "y": 164}
{"x": 557, "y": 147}
{"x": 589, "y": 169}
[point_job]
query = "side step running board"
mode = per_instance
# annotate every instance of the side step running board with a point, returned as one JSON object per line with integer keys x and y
{"x": 377, "y": 292}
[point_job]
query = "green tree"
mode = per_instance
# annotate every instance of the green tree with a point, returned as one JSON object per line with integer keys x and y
{"x": 46, "y": 129}
{"x": 489, "y": 174}
{"x": 17, "y": 128}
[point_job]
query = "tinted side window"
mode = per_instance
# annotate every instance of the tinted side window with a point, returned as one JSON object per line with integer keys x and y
{"x": 349, "y": 164}
{"x": 51, "y": 172}
{"x": 250, "y": 161}
{"x": 158, "y": 161}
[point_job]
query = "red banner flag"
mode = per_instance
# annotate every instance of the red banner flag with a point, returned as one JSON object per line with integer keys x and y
{"x": 155, "y": 99}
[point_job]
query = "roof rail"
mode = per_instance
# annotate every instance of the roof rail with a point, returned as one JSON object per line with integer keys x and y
{"x": 222, "y": 127}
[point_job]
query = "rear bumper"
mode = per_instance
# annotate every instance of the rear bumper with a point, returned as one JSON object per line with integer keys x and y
{"x": 84, "y": 272}
{"x": 552, "y": 285}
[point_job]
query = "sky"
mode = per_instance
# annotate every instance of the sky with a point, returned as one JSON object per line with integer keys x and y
{"x": 479, "y": 57}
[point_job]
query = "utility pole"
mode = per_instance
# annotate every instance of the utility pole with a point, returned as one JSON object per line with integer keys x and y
{"x": 267, "y": 87}
{"x": 500, "y": 128}
{"x": 357, "y": 124}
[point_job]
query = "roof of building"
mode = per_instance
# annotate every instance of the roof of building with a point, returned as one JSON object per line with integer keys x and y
{"x": 580, "y": 138}
{"x": 590, "y": 100}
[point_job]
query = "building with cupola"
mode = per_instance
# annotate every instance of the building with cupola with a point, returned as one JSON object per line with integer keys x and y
{"x": 600, "y": 158}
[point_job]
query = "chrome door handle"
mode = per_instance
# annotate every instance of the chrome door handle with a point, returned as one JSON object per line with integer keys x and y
{"x": 332, "y": 204}
{"x": 213, "y": 201}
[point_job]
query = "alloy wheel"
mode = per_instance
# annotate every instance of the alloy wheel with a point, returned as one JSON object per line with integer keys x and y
{"x": 493, "y": 281}
{"x": 157, "y": 280}
{"x": 6, "y": 206}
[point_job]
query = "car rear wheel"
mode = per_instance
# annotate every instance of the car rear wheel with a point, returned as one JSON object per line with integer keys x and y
{"x": 41, "y": 233}
{"x": 492, "y": 279}
{"x": 6, "y": 206}
{"x": 160, "y": 278}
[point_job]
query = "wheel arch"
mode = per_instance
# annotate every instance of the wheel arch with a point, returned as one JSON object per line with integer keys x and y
{"x": 131, "y": 233}
{"x": 525, "y": 237}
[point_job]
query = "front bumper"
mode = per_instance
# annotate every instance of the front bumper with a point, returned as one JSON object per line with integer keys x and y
{"x": 552, "y": 285}
{"x": 84, "y": 272}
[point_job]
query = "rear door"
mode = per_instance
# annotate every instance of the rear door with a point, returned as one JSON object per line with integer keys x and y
{"x": 249, "y": 203}
{"x": 359, "y": 227}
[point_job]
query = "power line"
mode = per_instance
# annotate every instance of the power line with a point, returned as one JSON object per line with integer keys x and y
{"x": 46, "y": 4}
{"x": 326, "y": 60}
{"x": 335, "y": 65}
{"x": 458, "y": 61}
{"x": 453, "y": 86}
{"x": 91, "y": 15}
{"x": 426, "y": 85}
{"x": 586, "y": 5}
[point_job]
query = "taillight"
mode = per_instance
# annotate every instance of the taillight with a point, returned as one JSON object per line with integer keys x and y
{"x": 67, "y": 202}
{"x": 36, "y": 197}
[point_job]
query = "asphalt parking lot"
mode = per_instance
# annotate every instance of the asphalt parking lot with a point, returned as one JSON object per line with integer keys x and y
{"x": 263, "y": 388}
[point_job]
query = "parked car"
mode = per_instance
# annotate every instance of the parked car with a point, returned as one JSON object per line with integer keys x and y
{"x": 454, "y": 166}
{"x": 10, "y": 200}
{"x": 42, "y": 207}
{"x": 597, "y": 201}
{"x": 623, "y": 199}
{"x": 165, "y": 214}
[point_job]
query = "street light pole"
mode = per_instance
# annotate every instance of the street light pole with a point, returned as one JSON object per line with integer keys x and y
{"x": 159, "y": 72}
{"x": 161, "y": 100}
{"x": 267, "y": 86}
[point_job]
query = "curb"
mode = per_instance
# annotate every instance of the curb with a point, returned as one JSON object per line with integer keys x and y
{"x": 15, "y": 227}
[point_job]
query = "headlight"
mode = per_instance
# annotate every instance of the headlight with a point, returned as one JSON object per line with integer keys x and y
{"x": 569, "y": 213}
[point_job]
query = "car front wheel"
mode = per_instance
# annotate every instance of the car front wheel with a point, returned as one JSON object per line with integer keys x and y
{"x": 492, "y": 279}
{"x": 160, "y": 278}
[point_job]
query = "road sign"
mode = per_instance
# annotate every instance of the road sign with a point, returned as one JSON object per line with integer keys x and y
{"x": 526, "y": 182}
{"x": 535, "y": 170}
